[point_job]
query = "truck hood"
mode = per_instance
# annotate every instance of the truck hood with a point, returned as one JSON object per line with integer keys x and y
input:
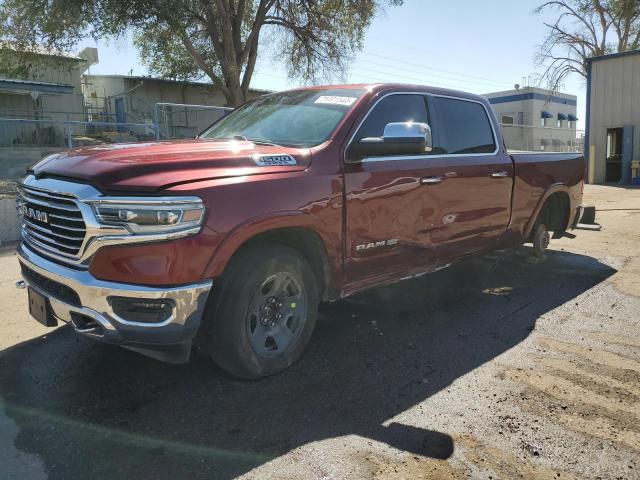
{"x": 153, "y": 166}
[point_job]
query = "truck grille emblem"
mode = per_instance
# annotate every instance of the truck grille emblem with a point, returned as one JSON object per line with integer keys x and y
{"x": 35, "y": 214}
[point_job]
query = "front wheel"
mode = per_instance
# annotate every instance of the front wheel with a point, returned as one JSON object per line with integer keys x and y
{"x": 263, "y": 312}
{"x": 540, "y": 239}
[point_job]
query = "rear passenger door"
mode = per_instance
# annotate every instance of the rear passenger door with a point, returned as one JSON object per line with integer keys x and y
{"x": 471, "y": 202}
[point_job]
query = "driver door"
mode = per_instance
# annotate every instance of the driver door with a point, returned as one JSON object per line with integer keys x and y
{"x": 385, "y": 200}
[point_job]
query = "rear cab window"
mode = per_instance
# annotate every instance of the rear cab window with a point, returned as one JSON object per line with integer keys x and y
{"x": 461, "y": 127}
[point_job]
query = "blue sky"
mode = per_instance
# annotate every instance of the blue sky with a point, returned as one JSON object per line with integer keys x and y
{"x": 477, "y": 46}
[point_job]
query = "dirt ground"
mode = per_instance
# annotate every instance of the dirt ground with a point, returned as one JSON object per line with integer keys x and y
{"x": 501, "y": 367}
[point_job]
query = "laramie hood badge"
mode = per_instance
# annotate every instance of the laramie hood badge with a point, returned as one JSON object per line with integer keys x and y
{"x": 269, "y": 160}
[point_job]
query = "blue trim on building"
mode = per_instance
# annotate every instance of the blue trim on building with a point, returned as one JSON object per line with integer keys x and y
{"x": 27, "y": 86}
{"x": 532, "y": 96}
{"x": 572, "y": 118}
{"x": 545, "y": 114}
{"x": 613, "y": 55}
{"x": 562, "y": 116}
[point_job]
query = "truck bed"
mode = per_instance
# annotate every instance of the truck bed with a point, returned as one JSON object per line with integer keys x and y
{"x": 537, "y": 172}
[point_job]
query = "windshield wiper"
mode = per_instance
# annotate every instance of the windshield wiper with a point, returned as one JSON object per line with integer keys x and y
{"x": 264, "y": 142}
{"x": 245, "y": 139}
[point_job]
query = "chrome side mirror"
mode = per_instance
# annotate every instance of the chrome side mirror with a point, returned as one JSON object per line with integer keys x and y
{"x": 410, "y": 132}
{"x": 399, "y": 138}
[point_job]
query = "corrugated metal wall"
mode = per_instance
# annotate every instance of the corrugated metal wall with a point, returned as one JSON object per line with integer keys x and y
{"x": 615, "y": 102}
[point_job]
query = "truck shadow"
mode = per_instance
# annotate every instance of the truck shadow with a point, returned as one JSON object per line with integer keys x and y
{"x": 94, "y": 411}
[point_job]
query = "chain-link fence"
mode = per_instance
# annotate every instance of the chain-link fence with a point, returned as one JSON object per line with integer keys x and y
{"x": 26, "y": 136}
{"x": 23, "y": 132}
{"x": 177, "y": 120}
{"x": 542, "y": 139}
{"x": 24, "y": 128}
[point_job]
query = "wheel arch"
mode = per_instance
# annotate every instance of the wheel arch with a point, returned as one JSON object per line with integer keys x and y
{"x": 555, "y": 208}
{"x": 294, "y": 230}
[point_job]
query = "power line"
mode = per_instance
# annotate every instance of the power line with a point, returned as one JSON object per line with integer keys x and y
{"x": 502, "y": 82}
{"x": 371, "y": 79}
{"x": 416, "y": 79}
{"x": 256, "y": 72}
{"x": 383, "y": 77}
{"x": 365, "y": 79}
{"x": 429, "y": 74}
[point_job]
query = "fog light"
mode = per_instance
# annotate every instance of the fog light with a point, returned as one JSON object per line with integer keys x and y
{"x": 142, "y": 310}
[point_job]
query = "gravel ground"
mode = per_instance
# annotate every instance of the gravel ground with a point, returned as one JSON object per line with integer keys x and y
{"x": 501, "y": 367}
{"x": 8, "y": 188}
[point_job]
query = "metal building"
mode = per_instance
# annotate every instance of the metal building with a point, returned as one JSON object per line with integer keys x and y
{"x": 613, "y": 116}
{"x": 132, "y": 99}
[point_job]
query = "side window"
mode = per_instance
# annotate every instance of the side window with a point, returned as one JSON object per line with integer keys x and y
{"x": 462, "y": 127}
{"x": 393, "y": 108}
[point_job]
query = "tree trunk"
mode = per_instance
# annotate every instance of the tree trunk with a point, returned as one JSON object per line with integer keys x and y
{"x": 235, "y": 95}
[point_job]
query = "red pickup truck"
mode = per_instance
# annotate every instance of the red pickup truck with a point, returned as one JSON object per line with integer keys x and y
{"x": 230, "y": 241}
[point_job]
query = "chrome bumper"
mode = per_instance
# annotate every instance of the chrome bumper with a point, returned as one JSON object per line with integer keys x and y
{"x": 169, "y": 340}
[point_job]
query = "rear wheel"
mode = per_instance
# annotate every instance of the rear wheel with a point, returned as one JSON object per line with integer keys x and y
{"x": 540, "y": 239}
{"x": 263, "y": 312}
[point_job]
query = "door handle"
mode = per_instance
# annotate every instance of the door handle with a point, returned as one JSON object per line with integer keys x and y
{"x": 500, "y": 174}
{"x": 430, "y": 180}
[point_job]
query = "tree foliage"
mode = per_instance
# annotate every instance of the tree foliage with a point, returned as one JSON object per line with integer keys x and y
{"x": 218, "y": 39}
{"x": 585, "y": 29}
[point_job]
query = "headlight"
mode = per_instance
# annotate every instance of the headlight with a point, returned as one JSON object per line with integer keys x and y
{"x": 151, "y": 215}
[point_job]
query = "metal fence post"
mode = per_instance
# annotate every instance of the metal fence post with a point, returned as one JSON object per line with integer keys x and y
{"x": 156, "y": 124}
{"x": 68, "y": 132}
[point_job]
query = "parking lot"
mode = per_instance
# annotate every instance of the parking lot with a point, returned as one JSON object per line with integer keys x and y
{"x": 501, "y": 367}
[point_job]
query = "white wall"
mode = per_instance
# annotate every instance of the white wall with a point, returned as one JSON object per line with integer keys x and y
{"x": 9, "y": 230}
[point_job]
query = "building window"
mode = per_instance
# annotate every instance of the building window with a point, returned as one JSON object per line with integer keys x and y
{"x": 520, "y": 118}
{"x": 507, "y": 120}
{"x": 562, "y": 117}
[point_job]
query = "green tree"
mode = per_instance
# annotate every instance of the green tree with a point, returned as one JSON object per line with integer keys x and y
{"x": 218, "y": 39}
{"x": 585, "y": 29}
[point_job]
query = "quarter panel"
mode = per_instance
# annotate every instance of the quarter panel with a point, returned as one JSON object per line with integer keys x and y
{"x": 538, "y": 175}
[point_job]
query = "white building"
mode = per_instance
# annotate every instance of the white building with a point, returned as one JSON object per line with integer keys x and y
{"x": 537, "y": 119}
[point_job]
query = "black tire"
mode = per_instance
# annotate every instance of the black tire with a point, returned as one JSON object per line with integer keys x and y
{"x": 233, "y": 337}
{"x": 540, "y": 238}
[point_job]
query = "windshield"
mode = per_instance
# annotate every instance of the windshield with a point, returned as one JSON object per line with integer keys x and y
{"x": 299, "y": 118}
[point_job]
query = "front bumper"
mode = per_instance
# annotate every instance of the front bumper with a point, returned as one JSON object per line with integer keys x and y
{"x": 78, "y": 298}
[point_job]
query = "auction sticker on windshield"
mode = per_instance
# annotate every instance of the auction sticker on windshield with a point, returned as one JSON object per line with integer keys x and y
{"x": 335, "y": 100}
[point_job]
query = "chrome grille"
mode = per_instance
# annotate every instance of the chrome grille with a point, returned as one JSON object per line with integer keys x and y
{"x": 61, "y": 231}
